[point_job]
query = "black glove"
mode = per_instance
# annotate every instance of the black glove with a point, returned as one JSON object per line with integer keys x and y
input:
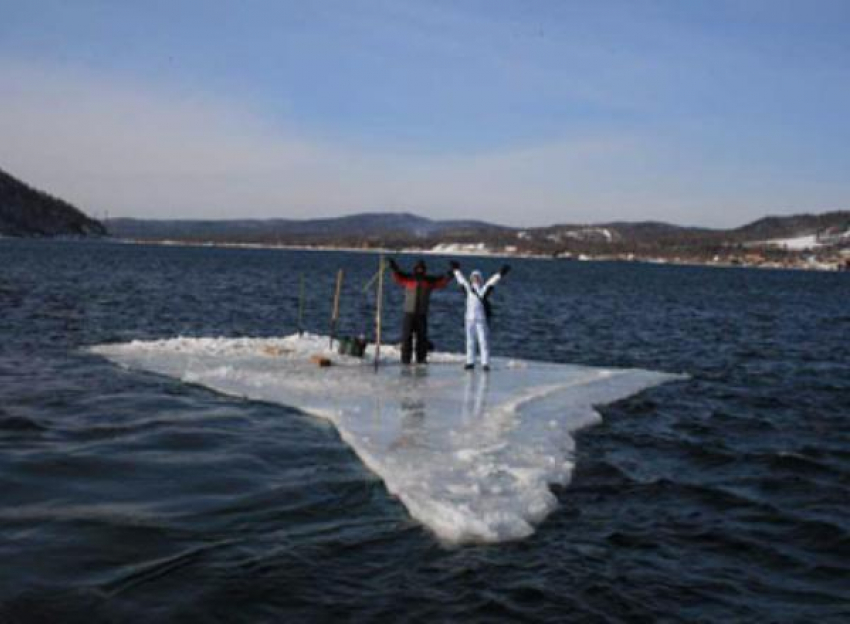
{"x": 455, "y": 265}
{"x": 504, "y": 270}
{"x": 393, "y": 264}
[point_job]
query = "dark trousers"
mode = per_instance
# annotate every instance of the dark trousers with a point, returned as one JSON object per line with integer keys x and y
{"x": 414, "y": 324}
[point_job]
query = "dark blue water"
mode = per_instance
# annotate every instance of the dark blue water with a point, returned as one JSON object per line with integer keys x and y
{"x": 125, "y": 497}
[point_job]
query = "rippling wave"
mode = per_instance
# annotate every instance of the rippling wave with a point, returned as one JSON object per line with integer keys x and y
{"x": 125, "y": 496}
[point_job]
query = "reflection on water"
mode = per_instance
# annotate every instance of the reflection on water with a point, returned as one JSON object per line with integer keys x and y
{"x": 474, "y": 396}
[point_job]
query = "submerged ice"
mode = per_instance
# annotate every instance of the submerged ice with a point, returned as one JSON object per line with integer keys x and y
{"x": 471, "y": 455}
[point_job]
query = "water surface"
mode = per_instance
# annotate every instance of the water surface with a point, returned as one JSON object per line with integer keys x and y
{"x": 130, "y": 497}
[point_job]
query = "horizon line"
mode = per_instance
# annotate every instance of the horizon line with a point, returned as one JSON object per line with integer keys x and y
{"x": 367, "y": 213}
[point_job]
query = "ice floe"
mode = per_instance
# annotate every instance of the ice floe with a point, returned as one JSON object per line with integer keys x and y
{"x": 471, "y": 456}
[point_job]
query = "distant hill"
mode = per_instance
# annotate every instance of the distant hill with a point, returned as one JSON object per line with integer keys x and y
{"x": 25, "y": 211}
{"x": 793, "y": 226}
{"x": 403, "y": 230}
{"x": 360, "y": 227}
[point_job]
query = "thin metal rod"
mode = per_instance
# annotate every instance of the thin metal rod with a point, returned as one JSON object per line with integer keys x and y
{"x": 371, "y": 282}
{"x": 335, "y": 314}
{"x": 301, "y": 307}
{"x": 378, "y": 309}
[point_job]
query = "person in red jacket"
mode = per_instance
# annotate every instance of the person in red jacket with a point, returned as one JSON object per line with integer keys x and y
{"x": 417, "y": 295}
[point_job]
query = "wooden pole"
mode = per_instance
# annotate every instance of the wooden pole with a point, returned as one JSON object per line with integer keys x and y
{"x": 335, "y": 314}
{"x": 378, "y": 305}
{"x": 301, "y": 307}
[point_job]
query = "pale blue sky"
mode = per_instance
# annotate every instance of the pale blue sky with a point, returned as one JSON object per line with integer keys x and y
{"x": 700, "y": 112}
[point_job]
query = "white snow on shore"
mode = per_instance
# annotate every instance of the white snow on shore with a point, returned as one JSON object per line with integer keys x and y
{"x": 461, "y": 248}
{"x": 800, "y": 243}
{"x": 831, "y": 236}
{"x": 470, "y": 455}
{"x": 583, "y": 234}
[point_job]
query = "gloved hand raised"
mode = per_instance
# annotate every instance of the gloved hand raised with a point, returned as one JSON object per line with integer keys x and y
{"x": 504, "y": 270}
{"x": 454, "y": 265}
{"x": 393, "y": 264}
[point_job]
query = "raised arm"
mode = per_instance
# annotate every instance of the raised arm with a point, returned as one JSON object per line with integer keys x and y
{"x": 461, "y": 279}
{"x": 402, "y": 279}
{"x": 437, "y": 283}
{"x": 399, "y": 277}
{"x": 494, "y": 279}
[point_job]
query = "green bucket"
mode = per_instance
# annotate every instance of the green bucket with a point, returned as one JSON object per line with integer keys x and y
{"x": 355, "y": 347}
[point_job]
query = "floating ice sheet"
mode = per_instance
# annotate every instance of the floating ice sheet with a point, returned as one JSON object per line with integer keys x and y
{"x": 470, "y": 455}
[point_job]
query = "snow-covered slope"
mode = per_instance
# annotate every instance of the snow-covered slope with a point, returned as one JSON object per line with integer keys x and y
{"x": 470, "y": 455}
{"x": 798, "y": 243}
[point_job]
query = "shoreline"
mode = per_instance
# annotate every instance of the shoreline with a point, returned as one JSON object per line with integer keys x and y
{"x": 741, "y": 263}
{"x": 480, "y": 253}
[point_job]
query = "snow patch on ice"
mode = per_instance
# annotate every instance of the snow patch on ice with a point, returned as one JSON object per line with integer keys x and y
{"x": 471, "y": 455}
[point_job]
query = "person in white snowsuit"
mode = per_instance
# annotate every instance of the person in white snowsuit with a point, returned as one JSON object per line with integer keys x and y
{"x": 477, "y": 321}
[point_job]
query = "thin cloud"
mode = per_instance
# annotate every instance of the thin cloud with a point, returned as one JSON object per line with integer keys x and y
{"x": 150, "y": 151}
{"x": 132, "y": 151}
